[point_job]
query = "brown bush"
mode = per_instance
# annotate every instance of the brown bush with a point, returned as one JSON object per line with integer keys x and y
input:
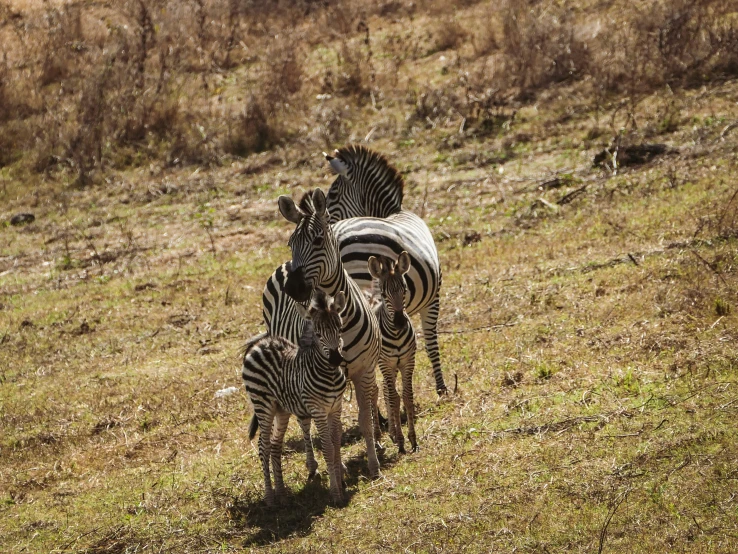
{"x": 448, "y": 34}
{"x": 254, "y": 129}
{"x": 113, "y": 84}
{"x": 541, "y": 46}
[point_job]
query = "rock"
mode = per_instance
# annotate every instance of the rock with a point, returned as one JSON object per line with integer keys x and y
{"x": 22, "y": 219}
{"x": 630, "y": 155}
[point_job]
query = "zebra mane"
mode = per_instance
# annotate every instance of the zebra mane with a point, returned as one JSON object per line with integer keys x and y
{"x": 367, "y": 162}
{"x": 306, "y": 203}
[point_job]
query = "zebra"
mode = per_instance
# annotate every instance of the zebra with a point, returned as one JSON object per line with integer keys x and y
{"x": 365, "y": 203}
{"x": 305, "y": 380}
{"x": 316, "y": 265}
{"x": 398, "y": 343}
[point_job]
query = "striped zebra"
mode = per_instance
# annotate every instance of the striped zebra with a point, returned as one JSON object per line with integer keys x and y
{"x": 316, "y": 265}
{"x": 398, "y": 343}
{"x": 365, "y": 203}
{"x": 304, "y": 380}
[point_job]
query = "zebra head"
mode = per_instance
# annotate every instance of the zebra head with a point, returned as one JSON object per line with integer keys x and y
{"x": 366, "y": 184}
{"x": 392, "y": 285}
{"x": 323, "y": 325}
{"x": 313, "y": 244}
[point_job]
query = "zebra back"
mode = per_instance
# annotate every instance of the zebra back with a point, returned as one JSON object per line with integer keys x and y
{"x": 367, "y": 185}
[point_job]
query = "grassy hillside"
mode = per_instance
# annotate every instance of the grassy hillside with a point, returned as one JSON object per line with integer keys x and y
{"x": 588, "y": 310}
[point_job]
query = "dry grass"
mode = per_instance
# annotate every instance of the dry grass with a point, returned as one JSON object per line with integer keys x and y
{"x": 588, "y": 312}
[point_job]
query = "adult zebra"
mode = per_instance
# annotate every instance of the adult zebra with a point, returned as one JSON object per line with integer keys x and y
{"x": 316, "y": 264}
{"x": 365, "y": 203}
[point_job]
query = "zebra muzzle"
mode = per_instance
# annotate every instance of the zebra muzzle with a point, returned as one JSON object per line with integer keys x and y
{"x": 296, "y": 286}
{"x": 400, "y": 320}
{"x": 335, "y": 358}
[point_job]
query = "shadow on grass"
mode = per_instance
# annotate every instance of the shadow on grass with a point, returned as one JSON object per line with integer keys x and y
{"x": 296, "y": 516}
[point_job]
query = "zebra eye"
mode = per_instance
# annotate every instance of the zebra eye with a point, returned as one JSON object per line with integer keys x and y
{"x": 318, "y": 241}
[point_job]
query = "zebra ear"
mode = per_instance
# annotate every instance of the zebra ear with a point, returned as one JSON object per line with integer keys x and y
{"x": 288, "y": 209}
{"x": 375, "y": 267}
{"x": 339, "y": 301}
{"x": 403, "y": 263}
{"x": 337, "y": 164}
{"x": 319, "y": 202}
{"x": 307, "y": 337}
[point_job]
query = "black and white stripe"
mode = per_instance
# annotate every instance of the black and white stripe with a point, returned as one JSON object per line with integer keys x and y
{"x": 398, "y": 343}
{"x": 316, "y": 265}
{"x": 366, "y": 185}
{"x": 365, "y": 203}
{"x": 307, "y": 381}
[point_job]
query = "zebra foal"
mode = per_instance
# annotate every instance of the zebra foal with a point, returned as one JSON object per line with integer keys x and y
{"x": 398, "y": 343}
{"x": 305, "y": 380}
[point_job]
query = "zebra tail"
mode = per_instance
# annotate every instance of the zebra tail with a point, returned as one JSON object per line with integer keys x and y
{"x": 253, "y": 427}
{"x": 250, "y": 343}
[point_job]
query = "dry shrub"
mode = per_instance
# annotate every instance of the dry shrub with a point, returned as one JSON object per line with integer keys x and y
{"x": 63, "y": 41}
{"x": 540, "y": 45}
{"x": 678, "y": 43}
{"x": 254, "y": 129}
{"x": 351, "y": 77}
{"x": 331, "y": 127}
{"x": 448, "y": 34}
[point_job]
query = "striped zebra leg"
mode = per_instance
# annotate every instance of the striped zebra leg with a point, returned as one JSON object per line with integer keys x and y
{"x": 392, "y": 401}
{"x": 311, "y": 463}
{"x": 329, "y": 453}
{"x": 282, "y": 419}
{"x": 265, "y": 433}
{"x": 408, "y": 401}
{"x": 387, "y": 406}
{"x": 365, "y": 385}
{"x": 336, "y": 434}
{"x": 429, "y": 318}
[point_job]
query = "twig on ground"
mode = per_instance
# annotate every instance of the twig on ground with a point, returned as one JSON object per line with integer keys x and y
{"x": 709, "y": 265}
{"x": 571, "y": 196}
{"x": 475, "y": 329}
{"x": 603, "y": 531}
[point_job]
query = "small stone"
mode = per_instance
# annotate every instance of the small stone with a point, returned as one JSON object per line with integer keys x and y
{"x": 22, "y": 219}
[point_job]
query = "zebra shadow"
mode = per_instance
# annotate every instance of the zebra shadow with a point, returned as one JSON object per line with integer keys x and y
{"x": 266, "y": 525}
{"x": 295, "y": 518}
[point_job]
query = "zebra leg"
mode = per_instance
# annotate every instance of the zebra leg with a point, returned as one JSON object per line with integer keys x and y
{"x": 408, "y": 367}
{"x": 388, "y": 401}
{"x": 336, "y": 433}
{"x": 365, "y": 385}
{"x": 429, "y": 318}
{"x": 311, "y": 462}
{"x": 326, "y": 441}
{"x": 375, "y": 413}
{"x": 278, "y": 431}
{"x": 393, "y": 405}
{"x": 265, "y": 432}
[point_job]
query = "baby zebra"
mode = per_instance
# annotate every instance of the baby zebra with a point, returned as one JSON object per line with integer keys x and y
{"x": 304, "y": 380}
{"x": 398, "y": 343}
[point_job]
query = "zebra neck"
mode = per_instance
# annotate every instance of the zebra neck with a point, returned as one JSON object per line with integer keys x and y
{"x": 337, "y": 282}
{"x": 387, "y": 324}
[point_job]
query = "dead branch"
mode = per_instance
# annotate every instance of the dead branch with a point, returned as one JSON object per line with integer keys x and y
{"x": 603, "y": 531}
{"x": 571, "y": 196}
{"x": 476, "y": 329}
{"x": 709, "y": 265}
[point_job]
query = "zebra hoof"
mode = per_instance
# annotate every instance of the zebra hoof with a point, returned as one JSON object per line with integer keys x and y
{"x": 415, "y": 448}
{"x": 401, "y": 450}
{"x": 314, "y": 475}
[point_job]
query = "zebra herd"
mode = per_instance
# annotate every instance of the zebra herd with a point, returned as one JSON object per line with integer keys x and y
{"x": 321, "y": 330}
